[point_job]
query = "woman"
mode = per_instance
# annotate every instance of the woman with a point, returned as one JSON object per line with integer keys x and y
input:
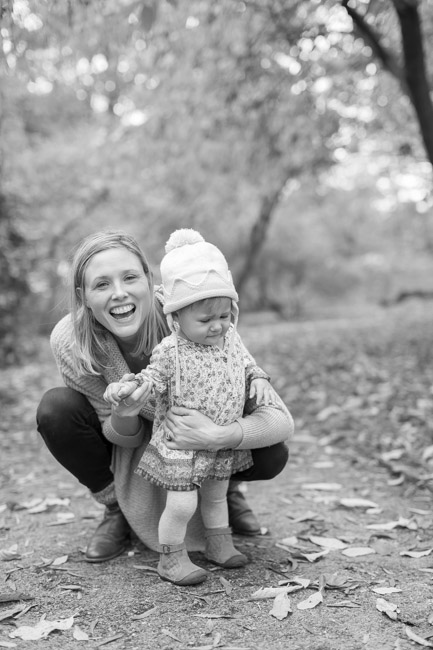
{"x": 115, "y": 322}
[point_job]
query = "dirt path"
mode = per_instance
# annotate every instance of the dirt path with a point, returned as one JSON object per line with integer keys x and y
{"x": 123, "y": 605}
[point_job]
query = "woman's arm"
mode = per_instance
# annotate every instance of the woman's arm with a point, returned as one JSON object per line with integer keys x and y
{"x": 260, "y": 427}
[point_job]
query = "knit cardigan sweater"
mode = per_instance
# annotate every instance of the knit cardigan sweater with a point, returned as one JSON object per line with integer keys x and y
{"x": 142, "y": 502}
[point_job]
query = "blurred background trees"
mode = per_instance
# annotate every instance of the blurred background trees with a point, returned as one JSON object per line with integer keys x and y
{"x": 295, "y": 135}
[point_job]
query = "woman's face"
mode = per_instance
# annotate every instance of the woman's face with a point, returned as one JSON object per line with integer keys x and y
{"x": 117, "y": 291}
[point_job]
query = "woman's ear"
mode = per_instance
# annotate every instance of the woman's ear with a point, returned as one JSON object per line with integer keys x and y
{"x": 81, "y": 295}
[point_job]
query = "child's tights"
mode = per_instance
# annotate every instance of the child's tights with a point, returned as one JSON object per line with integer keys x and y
{"x": 180, "y": 507}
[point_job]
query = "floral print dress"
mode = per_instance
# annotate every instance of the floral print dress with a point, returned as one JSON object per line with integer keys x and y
{"x": 213, "y": 385}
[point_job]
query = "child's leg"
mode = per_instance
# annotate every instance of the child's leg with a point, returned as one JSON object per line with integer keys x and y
{"x": 179, "y": 508}
{"x": 213, "y": 505}
{"x": 214, "y": 511}
{"x": 174, "y": 563}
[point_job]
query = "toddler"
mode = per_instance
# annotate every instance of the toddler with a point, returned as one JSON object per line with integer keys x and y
{"x": 201, "y": 365}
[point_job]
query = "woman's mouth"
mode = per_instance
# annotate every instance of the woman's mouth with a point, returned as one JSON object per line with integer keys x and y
{"x": 122, "y": 312}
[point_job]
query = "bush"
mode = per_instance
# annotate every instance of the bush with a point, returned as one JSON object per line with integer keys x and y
{"x": 14, "y": 287}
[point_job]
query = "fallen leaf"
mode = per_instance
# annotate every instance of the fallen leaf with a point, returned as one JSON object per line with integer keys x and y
{"x": 328, "y": 542}
{"x": 268, "y": 592}
{"x": 9, "y": 613}
{"x": 393, "y": 482}
{"x": 289, "y": 541}
{"x": 60, "y": 560}
{"x": 108, "y": 639}
{"x": 216, "y": 640}
{"x": 390, "y": 525}
{"x": 322, "y": 486}
{"x": 11, "y": 553}
{"x": 394, "y": 454}
{"x": 79, "y": 634}
{"x": 343, "y": 603}
{"x": 417, "y": 554}
{"x": 7, "y": 644}
{"x": 10, "y": 598}
{"x": 35, "y": 508}
{"x": 427, "y": 453}
{"x": 148, "y": 612}
{"x": 384, "y": 606}
{"x": 228, "y": 587}
{"x": 358, "y": 551}
{"x": 42, "y": 629}
{"x": 170, "y": 634}
{"x": 308, "y": 516}
{"x": 92, "y": 625}
{"x": 386, "y": 590}
{"x": 311, "y": 601}
{"x": 281, "y": 607}
{"x": 417, "y": 639}
{"x": 145, "y": 567}
{"x": 214, "y": 616}
{"x": 358, "y": 503}
{"x": 312, "y": 557}
{"x": 302, "y": 583}
{"x": 335, "y": 581}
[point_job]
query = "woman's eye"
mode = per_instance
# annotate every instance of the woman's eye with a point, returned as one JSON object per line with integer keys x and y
{"x": 101, "y": 285}
{"x": 130, "y": 277}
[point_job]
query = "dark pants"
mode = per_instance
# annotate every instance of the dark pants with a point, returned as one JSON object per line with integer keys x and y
{"x": 72, "y": 432}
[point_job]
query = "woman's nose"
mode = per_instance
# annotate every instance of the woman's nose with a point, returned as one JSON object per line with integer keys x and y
{"x": 119, "y": 290}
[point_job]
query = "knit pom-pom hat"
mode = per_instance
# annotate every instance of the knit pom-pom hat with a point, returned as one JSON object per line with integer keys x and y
{"x": 192, "y": 270}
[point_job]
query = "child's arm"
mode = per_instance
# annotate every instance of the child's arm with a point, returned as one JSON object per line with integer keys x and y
{"x": 259, "y": 382}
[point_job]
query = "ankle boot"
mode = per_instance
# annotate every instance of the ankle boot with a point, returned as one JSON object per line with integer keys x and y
{"x": 220, "y": 549}
{"x": 241, "y": 517}
{"x": 111, "y": 537}
{"x": 176, "y": 567}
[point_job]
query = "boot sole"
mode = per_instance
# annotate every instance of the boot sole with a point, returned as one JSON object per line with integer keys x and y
{"x": 187, "y": 581}
{"x": 236, "y": 562}
{"x": 96, "y": 560}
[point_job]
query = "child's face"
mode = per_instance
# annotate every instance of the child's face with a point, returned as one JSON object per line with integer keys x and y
{"x": 206, "y": 322}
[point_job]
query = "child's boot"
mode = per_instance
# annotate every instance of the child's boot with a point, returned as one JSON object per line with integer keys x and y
{"x": 176, "y": 567}
{"x": 220, "y": 549}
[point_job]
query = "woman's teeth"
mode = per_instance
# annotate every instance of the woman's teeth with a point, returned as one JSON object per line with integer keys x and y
{"x": 122, "y": 312}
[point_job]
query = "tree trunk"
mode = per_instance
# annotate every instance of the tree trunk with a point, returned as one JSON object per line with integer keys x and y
{"x": 258, "y": 236}
{"x": 415, "y": 69}
{"x": 412, "y": 76}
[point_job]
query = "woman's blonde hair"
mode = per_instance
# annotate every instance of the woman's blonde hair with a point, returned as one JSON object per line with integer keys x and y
{"x": 89, "y": 345}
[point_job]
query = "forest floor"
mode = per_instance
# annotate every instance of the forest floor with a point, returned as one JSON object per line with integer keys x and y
{"x": 348, "y": 526}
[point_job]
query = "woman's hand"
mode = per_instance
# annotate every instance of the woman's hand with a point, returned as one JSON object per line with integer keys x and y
{"x": 132, "y": 403}
{"x": 190, "y": 429}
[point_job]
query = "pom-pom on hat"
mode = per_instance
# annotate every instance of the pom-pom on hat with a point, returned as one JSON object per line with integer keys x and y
{"x": 192, "y": 270}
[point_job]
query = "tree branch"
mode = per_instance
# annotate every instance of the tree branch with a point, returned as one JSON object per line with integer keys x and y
{"x": 371, "y": 38}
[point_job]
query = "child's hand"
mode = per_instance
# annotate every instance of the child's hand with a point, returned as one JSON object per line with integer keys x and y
{"x": 119, "y": 390}
{"x": 262, "y": 390}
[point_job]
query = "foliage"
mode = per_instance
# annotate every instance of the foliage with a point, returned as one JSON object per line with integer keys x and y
{"x": 268, "y": 126}
{"x": 13, "y": 283}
